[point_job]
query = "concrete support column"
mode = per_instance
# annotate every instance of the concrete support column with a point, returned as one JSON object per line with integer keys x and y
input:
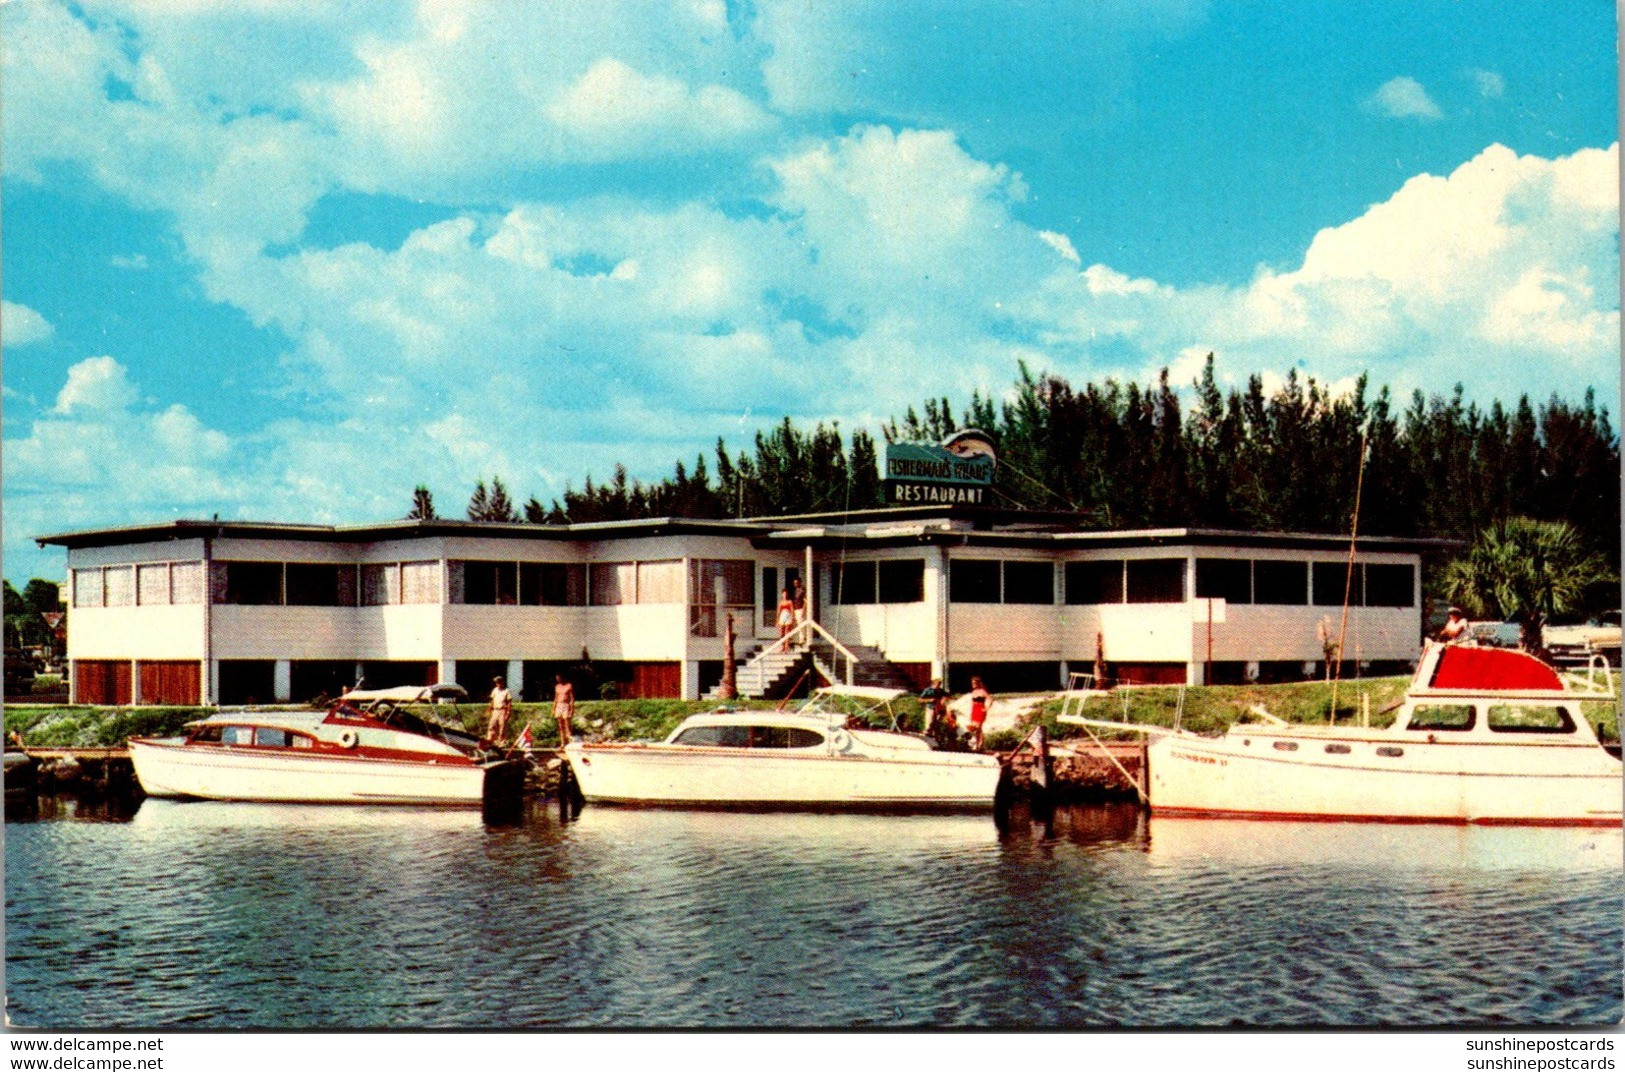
{"x": 448, "y": 671}
{"x": 1066, "y": 673}
{"x": 211, "y": 682}
{"x": 936, "y": 590}
{"x": 689, "y": 679}
{"x": 516, "y": 677}
{"x": 1195, "y": 673}
{"x": 282, "y": 680}
{"x": 135, "y": 682}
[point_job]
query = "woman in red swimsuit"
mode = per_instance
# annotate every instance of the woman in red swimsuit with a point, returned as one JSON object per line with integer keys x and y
{"x": 979, "y": 700}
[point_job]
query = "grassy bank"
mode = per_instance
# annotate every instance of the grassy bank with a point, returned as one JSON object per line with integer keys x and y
{"x": 1206, "y": 710}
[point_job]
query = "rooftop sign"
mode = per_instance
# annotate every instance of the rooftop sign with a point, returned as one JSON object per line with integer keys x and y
{"x": 958, "y": 471}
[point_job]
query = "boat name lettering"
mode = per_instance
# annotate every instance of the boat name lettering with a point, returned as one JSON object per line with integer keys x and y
{"x": 1194, "y": 758}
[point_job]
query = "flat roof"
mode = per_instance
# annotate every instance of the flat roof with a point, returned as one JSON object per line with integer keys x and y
{"x": 889, "y": 527}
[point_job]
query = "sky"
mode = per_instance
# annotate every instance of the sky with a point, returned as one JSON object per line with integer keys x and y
{"x": 286, "y": 261}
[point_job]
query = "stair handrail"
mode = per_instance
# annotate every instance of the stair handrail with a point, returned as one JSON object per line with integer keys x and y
{"x": 802, "y": 635}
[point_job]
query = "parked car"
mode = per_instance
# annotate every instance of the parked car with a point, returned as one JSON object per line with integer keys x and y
{"x": 1576, "y": 643}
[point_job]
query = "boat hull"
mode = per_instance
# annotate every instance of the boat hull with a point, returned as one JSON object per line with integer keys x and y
{"x": 692, "y": 777}
{"x": 189, "y": 771}
{"x": 1252, "y": 776}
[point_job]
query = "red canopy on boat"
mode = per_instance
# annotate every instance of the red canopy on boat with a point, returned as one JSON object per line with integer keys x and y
{"x": 1493, "y": 669}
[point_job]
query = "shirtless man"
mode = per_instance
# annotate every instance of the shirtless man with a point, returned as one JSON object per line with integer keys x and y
{"x": 564, "y": 707}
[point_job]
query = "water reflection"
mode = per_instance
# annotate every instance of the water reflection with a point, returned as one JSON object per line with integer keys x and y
{"x": 273, "y": 916}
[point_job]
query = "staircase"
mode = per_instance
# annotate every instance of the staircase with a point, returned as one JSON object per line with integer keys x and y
{"x": 869, "y": 665}
{"x": 772, "y": 672}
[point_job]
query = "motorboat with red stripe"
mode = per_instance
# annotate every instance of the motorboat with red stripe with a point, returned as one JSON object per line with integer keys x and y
{"x": 369, "y": 746}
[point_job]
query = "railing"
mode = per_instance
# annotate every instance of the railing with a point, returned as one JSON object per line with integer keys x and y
{"x": 805, "y": 637}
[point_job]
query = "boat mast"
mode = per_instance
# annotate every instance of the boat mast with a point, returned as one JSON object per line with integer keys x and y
{"x": 1348, "y": 579}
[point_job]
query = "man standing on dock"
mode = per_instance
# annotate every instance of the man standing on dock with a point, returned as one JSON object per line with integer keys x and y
{"x": 564, "y": 706}
{"x": 496, "y": 729}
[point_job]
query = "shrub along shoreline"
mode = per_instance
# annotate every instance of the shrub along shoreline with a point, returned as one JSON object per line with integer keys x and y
{"x": 1204, "y": 709}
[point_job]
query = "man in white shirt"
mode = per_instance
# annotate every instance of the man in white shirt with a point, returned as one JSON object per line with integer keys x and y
{"x": 496, "y": 730}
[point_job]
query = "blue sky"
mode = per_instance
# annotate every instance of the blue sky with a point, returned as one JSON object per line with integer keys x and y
{"x": 285, "y": 261}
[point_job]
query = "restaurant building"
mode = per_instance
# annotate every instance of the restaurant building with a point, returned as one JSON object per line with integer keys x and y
{"x": 237, "y": 612}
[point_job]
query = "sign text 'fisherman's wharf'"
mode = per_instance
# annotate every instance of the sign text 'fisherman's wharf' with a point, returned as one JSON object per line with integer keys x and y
{"x": 958, "y": 471}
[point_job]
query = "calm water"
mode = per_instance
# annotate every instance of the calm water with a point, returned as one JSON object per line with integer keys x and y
{"x": 235, "y": 915}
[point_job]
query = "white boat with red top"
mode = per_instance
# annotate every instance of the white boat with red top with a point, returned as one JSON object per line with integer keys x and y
{"x": 1483, "y": 735}
{"x": 817, "y": 757}
{"x": 369, "y": 747}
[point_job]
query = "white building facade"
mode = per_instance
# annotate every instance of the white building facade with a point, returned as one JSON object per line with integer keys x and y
{"x": 221, "y": 612}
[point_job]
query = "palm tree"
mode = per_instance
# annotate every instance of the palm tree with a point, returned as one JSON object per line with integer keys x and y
{"x": 1526, "y": 571}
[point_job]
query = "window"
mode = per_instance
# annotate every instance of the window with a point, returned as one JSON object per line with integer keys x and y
{"x": 237, "y": 734}
{"x": 855, "y": 583}
{"x": 660, "y": 582}
{"x": 484, "y": 583}
{"x": 901, "y": 581}
{"x": 614, "y": 583}
{"x": 420, "y": 582}
{"x": 1029, "y": 582}
{"x": 1094, "y": 582}
{"x": 715, "y": 737}
{"x": 1530, "y": 718}
{"x": 119, "y": 584}
{"x": 380, "y": 584}
{"x": 552, "y": 584}
{"x": 1280, "y": 583}
{"x": 1229, "y": 579}
{"x": 266, "y": 737}
{"x": 152, "y": 584}
{"x": 1441, "y": 717}
{"x": 252, "y": 584}
{"x": 312, "y": 584}
{"x": 723, "y": 582}
{"x": 1156, "y": 580}
{"x": 1390, "y": 751}
{"x": 1330, "y": 579}
{"x": 1338, "y": 749}
{"x": 1286, "y": 746}
{"x": 973, "y": 581}
{"x": 1389, "y": 586}
{"x": 186, "y": 582}
{"x": 887, "y": 581}
{"x": 87, "y": 588}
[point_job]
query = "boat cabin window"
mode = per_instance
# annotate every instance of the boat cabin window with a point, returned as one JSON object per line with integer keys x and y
{"x": 749, "y": 737}
{"x": 266, "y": 737}
{"x": 1441, "y": 717}
{"x": 715, "y": 737}
{"x": 237, "y": 734}
{"x": 1338, "y": 749}
{"x": 1529, "y": 718}
{"x": 783, "y": 737}
{"x": 205, "y": 734}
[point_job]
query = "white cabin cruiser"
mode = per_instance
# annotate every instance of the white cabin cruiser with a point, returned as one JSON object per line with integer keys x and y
{"x": 813, "y": 757}
{"x": 1483, "y": 735}
{"x": 368, "y": 748}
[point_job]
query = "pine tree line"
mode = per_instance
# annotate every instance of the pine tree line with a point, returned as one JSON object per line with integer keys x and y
{"x": 1128, "y": 455}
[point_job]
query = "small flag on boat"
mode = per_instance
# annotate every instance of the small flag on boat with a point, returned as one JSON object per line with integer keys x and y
{"x": 524, "y": 739}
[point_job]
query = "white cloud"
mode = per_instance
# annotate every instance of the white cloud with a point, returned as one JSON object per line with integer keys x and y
{"x": 615, "y": 109}
{"x": 99, "y": 384}
{"x": 20, "y": 325}
{"x": 1404, "y": 98}
{"x": 1502, "y": 274}
{"x": 1490, "y": 85}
